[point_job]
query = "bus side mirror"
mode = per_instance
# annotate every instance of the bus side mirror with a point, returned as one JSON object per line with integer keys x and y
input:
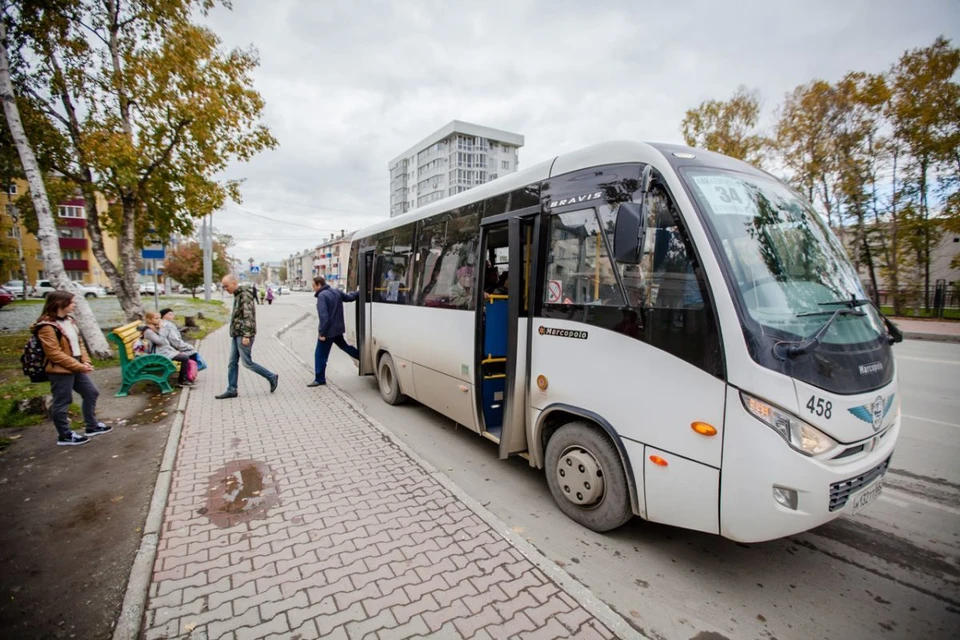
{"x": 628, "y": 235}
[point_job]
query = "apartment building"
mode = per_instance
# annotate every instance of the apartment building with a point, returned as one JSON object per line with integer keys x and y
{"x": 452, "y": 159}
{"x": 330, "y": 260}
{"x": 70, "y": 217}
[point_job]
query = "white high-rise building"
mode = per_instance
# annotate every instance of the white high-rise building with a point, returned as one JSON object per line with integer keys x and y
{"x": 450, "y": 160}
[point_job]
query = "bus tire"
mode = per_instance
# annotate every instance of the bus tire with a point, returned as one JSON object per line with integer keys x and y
{"x": 586, "y": 477}
{"x": 388, "y": 382}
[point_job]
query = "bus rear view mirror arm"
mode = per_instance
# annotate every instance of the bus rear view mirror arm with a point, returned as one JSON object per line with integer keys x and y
{"x": 628, "y": 235}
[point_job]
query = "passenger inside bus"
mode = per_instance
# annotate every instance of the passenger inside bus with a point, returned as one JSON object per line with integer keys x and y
{"x": 461, "y": 292}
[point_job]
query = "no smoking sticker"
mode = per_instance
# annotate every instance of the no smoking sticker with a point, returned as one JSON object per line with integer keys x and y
{"x": 554, "y": 291}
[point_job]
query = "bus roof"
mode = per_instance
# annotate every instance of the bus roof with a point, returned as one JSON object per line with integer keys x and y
{"x": 595, "y": 155}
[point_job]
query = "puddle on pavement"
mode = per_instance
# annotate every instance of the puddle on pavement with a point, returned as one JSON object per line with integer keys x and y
{"x": 242, "y": 491}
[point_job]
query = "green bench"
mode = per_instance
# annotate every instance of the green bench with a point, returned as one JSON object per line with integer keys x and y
{"x": 149, "y": 368}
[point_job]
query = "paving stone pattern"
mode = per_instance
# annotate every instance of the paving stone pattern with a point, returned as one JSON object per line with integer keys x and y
{"x": 360, "y": 541}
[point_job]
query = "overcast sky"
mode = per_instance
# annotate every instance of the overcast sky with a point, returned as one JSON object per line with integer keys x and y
{"x": 349, "y": 85}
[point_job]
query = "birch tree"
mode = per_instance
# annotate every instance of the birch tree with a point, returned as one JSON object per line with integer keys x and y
{"x": 47, "y": 232}
{"x": 151, "y": 109}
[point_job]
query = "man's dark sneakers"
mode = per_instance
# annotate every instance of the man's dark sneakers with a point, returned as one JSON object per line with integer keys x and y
{"x": 72, "y": 440}
{"x": 97, "y": 430}
{"x": 226, "y": 394}
{"x": 274, "y": 382}
{"x": 316, "y": 384}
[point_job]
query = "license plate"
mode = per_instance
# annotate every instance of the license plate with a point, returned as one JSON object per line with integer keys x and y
{"x": 868, "y": 495}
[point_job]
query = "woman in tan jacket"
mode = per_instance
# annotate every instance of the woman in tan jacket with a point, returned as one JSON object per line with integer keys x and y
{"x": 68, "y": 366}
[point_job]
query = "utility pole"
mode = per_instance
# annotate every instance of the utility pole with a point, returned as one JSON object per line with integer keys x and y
{"x": 207, "y": 232}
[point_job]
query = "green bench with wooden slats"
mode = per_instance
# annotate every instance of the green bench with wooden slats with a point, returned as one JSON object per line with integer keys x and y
{"x": 150, "y": 367}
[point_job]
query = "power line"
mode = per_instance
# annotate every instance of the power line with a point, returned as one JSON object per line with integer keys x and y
{"x": 293, "y": 224}
{"x": 311, "y": 206}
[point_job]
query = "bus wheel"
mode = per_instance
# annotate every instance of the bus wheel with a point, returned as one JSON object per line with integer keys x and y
{"x": 389, "y": 385}
{"x": 586, "y": 477}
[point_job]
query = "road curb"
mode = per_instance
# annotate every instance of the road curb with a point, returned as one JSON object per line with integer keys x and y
{"x": 130, "y": 619}
{"x": 584, "y": 597}
{"x": 930, "y": 337}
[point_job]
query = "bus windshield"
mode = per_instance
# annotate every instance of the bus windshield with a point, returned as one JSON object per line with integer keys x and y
{"x": 788, "y": 270}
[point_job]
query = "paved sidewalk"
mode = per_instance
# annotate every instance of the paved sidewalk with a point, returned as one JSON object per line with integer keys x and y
{"x": 292, "y": 516}
{"x": 935, "y": 330}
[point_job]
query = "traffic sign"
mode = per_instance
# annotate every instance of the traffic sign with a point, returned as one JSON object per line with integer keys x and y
{"x": 254, "y": 269}
{"x": 153, "y": 252}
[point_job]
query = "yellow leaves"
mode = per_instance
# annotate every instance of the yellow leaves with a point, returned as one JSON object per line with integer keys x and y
{"x": 727, "y": 127}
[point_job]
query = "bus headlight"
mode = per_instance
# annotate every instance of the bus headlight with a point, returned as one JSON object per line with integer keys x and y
{"x": 803, "y": 437}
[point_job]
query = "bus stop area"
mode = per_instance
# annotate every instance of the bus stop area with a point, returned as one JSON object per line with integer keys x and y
{"x": 294, "y": 514}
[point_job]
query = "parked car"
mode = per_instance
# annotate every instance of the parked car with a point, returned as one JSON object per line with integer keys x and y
{"x": 6, "y": 297}
{"x": 91, "y": 290}
{"x": 16, "y": 288}
{"x": 43, "y": 288}
{"x": 148, "y": 287}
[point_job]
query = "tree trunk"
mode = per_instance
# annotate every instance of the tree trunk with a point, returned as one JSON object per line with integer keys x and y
{"x": 925, "y": 252}
{"x": 129, "y": 297}
{"x": 894, "y": 263}
{"x": 47, "y": 233}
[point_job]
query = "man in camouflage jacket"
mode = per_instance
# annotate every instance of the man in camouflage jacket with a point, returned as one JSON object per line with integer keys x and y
{"x": 243, "y": 331}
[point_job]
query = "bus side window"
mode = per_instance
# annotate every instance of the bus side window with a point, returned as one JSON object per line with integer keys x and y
{"x": 579, "y": 268}
{"x": 448, "y": 253}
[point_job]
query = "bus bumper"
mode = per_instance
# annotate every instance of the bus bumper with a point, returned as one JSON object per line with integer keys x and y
{"x": 758, "y": 466}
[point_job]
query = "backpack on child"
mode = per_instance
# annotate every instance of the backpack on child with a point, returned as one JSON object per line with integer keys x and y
{"x": 33, "y": 360}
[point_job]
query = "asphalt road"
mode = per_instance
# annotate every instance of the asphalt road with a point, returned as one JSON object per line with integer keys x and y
{"x": 890, "y": 572}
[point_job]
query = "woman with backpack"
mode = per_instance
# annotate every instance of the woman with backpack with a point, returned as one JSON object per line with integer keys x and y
{"x": 67, "y": 367}
{"x": 158, "y": 344}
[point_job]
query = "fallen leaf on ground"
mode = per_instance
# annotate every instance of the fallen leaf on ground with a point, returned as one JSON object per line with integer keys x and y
{"x": 516, "y": 529}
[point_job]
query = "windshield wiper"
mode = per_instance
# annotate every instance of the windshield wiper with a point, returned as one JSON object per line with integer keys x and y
{"x": 894, "y": 335}
{"x": 853, "y": 302}
{"x": 811, "y": 342}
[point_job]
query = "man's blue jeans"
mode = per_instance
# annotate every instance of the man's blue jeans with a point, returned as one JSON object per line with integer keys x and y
{"x": 322, "y": 353}
{"x": 239, "y": 352}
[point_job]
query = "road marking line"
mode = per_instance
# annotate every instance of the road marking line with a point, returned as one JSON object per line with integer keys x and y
{"x": 906, "y": 496}
{"x": 946, "y": 424}
{"x": 927, "y": 360}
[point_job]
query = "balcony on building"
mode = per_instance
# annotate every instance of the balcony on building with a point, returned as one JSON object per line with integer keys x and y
{"x": 73, "y": 243}
{"x": 75, "y": 265}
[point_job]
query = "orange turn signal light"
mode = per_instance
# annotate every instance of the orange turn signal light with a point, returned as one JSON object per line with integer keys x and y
{"x": 658, "y": 460}
{"x": 704, "y": 429}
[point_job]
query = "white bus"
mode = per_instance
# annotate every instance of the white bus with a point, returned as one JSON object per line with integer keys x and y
{"x": 667, "y": 332}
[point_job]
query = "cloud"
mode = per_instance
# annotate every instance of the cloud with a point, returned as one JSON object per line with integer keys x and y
{"x": 350, "y": 85}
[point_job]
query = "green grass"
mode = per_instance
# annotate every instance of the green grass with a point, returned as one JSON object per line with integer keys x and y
{"x": 14, "y": 386}
{"x": 207, "y": 326}
{"x": 948, "y": 314}
{"x": 28, "y": 302}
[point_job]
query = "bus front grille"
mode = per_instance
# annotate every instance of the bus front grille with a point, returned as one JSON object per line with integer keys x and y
{"x": 840, "y": 491}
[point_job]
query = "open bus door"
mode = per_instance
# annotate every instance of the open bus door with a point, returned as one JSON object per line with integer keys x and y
{"x": 365, "y": 312}
{"x": 503, "y": 324}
